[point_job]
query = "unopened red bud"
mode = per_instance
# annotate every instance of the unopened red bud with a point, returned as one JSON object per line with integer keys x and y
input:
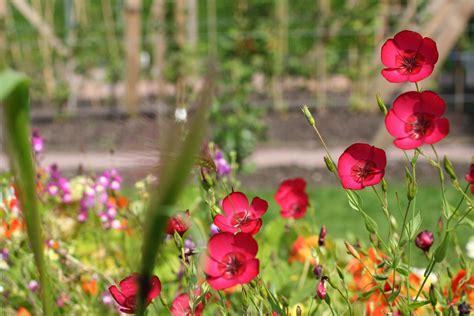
{"x": 424, "y": 240}
{"x": 321, "y": 291}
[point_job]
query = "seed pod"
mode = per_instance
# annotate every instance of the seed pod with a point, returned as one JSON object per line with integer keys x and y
{"x": 329, "y": 164}
{"x": 352, "y": 250}
{"x": 308, "y": 115}
{"x": 448, "y": 166}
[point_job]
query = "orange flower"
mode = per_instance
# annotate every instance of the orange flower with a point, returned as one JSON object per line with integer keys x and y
{"x": 90, "y": 286}
{"x": 362, "y": 279}
{"x": 463, "y": 283}
{"x": 7, "y": 230}
{"x": 302, "y": 249}
{"x": 23, "y": 312}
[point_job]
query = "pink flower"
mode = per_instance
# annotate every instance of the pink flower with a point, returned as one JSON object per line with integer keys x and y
{"x": 361, "y": 165}
{"x": 231, "y": 260}
{"x": 292, "y": 198}
{"x": 408, "y": 57}
{"x": 180, "y": 306}
{"x": 239, "y": 216}
{"x": 415, "y": 119}
{"x": 126, "y": 297}
{"x": 470, "y": 177}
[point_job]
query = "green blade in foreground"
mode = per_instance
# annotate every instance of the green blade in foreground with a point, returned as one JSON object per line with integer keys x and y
{"x": 14, "y": 96}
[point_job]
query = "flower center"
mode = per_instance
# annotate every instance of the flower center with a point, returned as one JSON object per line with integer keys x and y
{"x": 240, "y": 219}
{"x": 295, "y": 208}
{"x": 363, "y": 170}
{"x": 419, "y": 125}
{"x": 130, "y": 302}
{"x": 410, "y": 62}
{"x": 232, "y": 265}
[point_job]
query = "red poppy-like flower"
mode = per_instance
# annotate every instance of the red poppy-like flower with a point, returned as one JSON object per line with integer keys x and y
{"x": 239, "y": 216}
{"x": 470, "y": 177}
{"x": 126, "y": 296}
{"x": 415, "y": 119}
{"x": 231, "y": 260}
{"x": 292, "y": 198}
{"x": 361, "y": 165}
{"x": 408, "y": 57}
{"x": 178, "y": 224}
{"x": 180, "y": 306}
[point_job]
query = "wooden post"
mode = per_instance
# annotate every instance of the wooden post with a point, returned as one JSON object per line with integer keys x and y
{"x": 193, "y": 26}
{"x": 159, "y": 30}
{"x": 132, "y": 51}
{"x": 3, "y": 33}
{"x": 280, "y": 53}
{"x": 320, "y": 53}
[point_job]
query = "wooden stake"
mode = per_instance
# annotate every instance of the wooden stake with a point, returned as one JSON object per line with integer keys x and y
{"x": 132, "y": 51}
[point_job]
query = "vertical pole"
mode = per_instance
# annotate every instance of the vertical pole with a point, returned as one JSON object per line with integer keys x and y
{"x": 3, "y": 34}
{"x": 132, "y": 51}
{"x": 193, "y": 26}
{"x": 159, "y": 29}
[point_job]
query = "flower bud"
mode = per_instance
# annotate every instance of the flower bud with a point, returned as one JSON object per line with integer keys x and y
{"x": 206, "y": 179}
{"x": 424, "y": 240}
{"x": 321, "y": 291}
{"x": 299, "y": 311}
{"x": 322, "y": 236}
{"x": 381, "y": 105}
{"x": 448, "y": 166}
{"x": 352, "y": 250}
{"x": 330, "y": 164}
{"x": 318, "y": 271}
{"x": 432, "y": 296}
{"x": 384, "y": 185}
{"x": 308, "y": 115}
{"x": 464, "y": 309}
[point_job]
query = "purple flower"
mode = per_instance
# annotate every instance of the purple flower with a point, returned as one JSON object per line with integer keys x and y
{"x": 214, "y": 229}
{"x": 321, "y": 290}
{"x": 424, "y": 240}
{"x": 223, "y": 167}
{"x": 4, "y": 254}
{"x": 33, "y": 285}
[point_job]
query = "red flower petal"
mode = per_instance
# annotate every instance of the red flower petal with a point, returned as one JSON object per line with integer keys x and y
{"x": 406, "y": 104}
{"x": 129, "y": 285}
{"x": 393, "y": 75}
{"x": 424, "y": 72}
{"x": 407, "y": 143}
{"x": 251, "y": 227}
{"x": 234, "y": 203}
{"x": 225, "y": 223}
{"x": 432, "y": 103}
{"x": 117, "y": 295}
{"x": 440, "y": 131}
{"x": 246, "y": 244}
{"x": 252, "y": 268}
{"x": 222, "y": 283}
{"x": 429, "y": 51}
{"x": 395, "y": 126}
{"x": 408, "y": 40}
{"x": 389, "y": 54}
{"x": 258, "y": 207}
{"x": 155, "y": 290}
{"x": 220, "y": 244}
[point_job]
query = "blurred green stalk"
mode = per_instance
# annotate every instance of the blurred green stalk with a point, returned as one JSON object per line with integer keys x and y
{"x": 14, "y": 96}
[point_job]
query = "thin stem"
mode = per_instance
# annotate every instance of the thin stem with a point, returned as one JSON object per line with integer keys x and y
{"x": 417, "y": 87}
{"x": 404, "y": 222}
{"x": 323, "y": 142}
{"x": 430, "y": 267}
{"x": 457, "y": 207}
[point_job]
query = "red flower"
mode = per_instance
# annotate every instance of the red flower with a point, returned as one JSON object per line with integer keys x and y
{"x": 126, "y": 296}
{"x": 180, "y": 306}
{"x": 239, "y": 216}
{"x": 470, "y": 177}
{"x": 415, "y": 119}
{"x": 292, "y": 198}
{"x": 178, "y": 224}
{"x": 361, "y": 165}
{"x": 231, "y": 260}
{"x": 462, "y": 283}
{"x": 408, "y": 57}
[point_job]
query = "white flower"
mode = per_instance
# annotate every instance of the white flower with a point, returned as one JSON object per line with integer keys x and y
{"x": 470, "y": 247}
{"x": 181, "y": 114}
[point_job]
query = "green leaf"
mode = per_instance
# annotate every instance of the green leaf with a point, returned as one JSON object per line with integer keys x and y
{"x": 14, "y": 96}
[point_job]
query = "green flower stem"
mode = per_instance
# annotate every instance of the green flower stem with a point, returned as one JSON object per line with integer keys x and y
{"x": 14, "y": 94}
